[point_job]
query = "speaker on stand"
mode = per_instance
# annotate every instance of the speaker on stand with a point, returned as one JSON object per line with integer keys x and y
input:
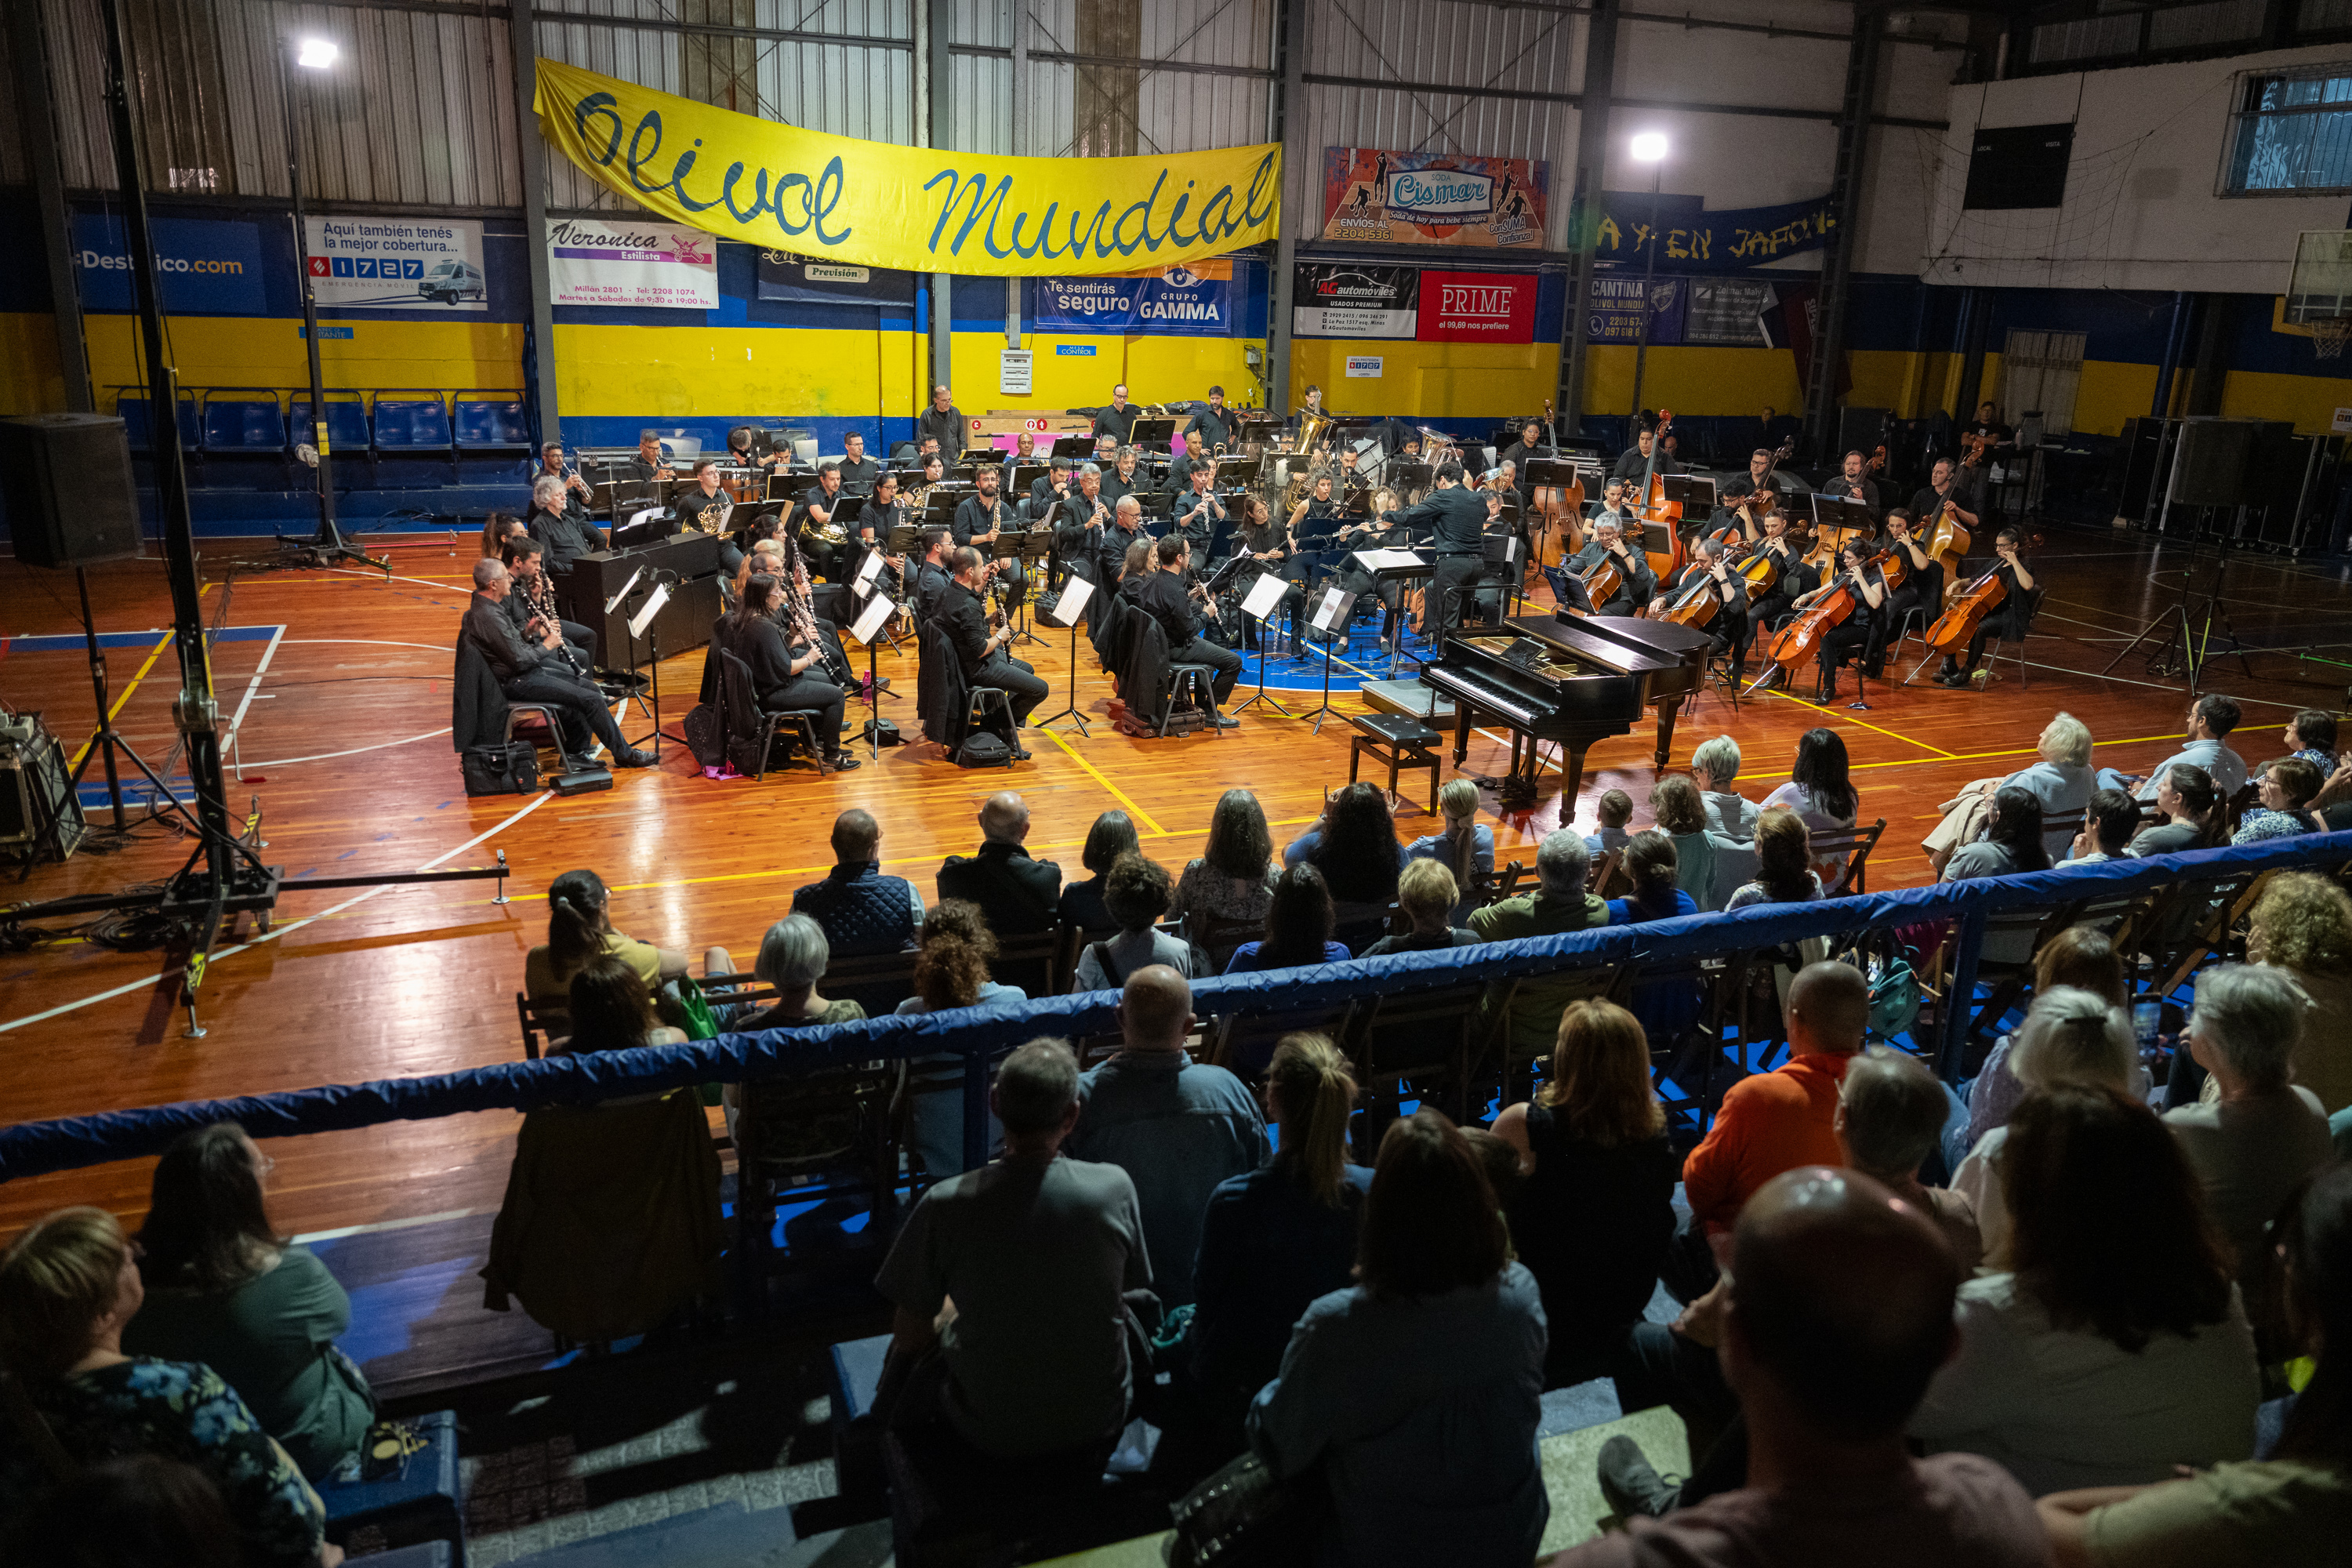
{"x": 65, "y": 478}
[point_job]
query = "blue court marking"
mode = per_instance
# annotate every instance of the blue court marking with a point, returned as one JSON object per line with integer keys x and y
{"x": 76, "y": 642}
{"x": 136, "y": 790}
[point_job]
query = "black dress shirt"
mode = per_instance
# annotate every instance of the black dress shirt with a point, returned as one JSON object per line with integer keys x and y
{"x": 963, "y": 615}
{"x": 973, "y": 516}
{"x": 1164, "y": 599}
{"x": 563, "y": 537}
{"x": 1458, "y": 517}
{"x": 1119, "y": 422}
{"x": 947, "y": 428}
{"x": 861, "y": 472}
{"x": 1215, "y": 427}
{"x": 489, "y": 627}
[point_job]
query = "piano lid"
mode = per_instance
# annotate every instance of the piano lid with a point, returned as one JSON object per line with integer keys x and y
{"x": 1619, "y": 643}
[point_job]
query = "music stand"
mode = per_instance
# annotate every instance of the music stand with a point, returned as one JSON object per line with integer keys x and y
{"x": 1073, "y": 447}
{"x": 871, "y": 619}
{"x": 1025, "y": 474}
{"x": 991, "y": 457}
{"x": 905, "y": 538}
{"x": 1150, "y": 430}
{"x": 1028, "y": 546}
{"x": 1265, "y": 595}
{"x": 650, "y": 526}
{"x": 1501, "y": 552}
{"x": 1691, "y": 491}
{"x": 641, "y": 624}
{"x": 1327, "y": 625}
{"x": 1578, "y": 599}
{"x": 1238, "y": 473}
{"x": 1400, "y": 566}
{"x": 1075, "y": 594}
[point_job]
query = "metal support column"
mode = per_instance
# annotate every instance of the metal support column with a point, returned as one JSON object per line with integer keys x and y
{"x": 37, "y": 108}
{"x": 523, "y": 44}
{"x": 940, "y": 132}
{"x": 1846, "y": 187}
{"x": 1018, "y": 102}
{"x": 2176, "y": 339}
{"x": 1584, "y": 206}
{"x": 1289, "y": 114}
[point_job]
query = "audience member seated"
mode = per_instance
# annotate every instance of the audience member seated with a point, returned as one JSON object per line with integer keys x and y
{"x": 67, "y": 1286}
{"x": 1775, "y": 1122}
{"x": 225, "y": 1288}
{"x": 1466, "y": 847}
{"x": 1008, "y": 1283}
{"x": 1665, "y": 1008}
{"x": 1417, "y": 1391}
{"x": 1136, "y": 895}
{"x": 1594, "y": 1209}
{"x": 1016, "y": 894}
{"x": 2210, "y": 719}
{"x": 861, "y": 912}
{"x": 1083, "y": 903}
{"x": 1714, "y": 767}
{"x": 1177, "y": 1127}
{"x": 1615, "y": 811}
{"x": 1233, "y": 877}
{"x": 1359, "y": 814}
{"x": 1890, "y": 1113}
{"x": 1678, "y": 816}
{"x": 2191, "y": 808}
{"x": 1784, "y": 868}
{"x": 2109, "y": 823}
{"x": 2061, "y": 783}
{"x": 1841, "y": 1313}
{"x": 2069, "y": 1036}
{"x": 1427, "y": 895}
{"x": 793, "y": 956}
{"x": 1298, "y": 927}
{"x": 611, "y": 1220}
{"x": 2083, "y": 957}
{"x": 580, "y": 929}
{"x": 2113, "y": 1346}
{"x": 2263, "y": 1134}
{"x": 2302, "y": 925}
{"x": 2292, "y": 1507}
{"x": 2285, "y": 792}
{"x": 951, "y": 970}
{"x": 1559, "y": 904}
{"x": 159, "y": 1514}
{"x": 1274, "y": 1239}
{"x": 2311, "y": 735}
{"x": 1818, "y": 789}
{"x": 2013, "y": 843}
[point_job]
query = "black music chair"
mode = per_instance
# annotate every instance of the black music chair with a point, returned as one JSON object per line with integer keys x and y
{"x": 482, "y": 715}
{"x": 751, "y": 729}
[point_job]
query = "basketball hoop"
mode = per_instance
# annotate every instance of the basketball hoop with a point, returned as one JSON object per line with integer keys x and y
{"x": 2328, "y": 334}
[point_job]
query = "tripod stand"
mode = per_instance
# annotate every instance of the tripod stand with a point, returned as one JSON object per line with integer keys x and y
{"x": 2185, "y": 636}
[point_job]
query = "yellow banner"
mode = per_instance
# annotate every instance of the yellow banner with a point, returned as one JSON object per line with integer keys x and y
{"x": 835, "y": 198}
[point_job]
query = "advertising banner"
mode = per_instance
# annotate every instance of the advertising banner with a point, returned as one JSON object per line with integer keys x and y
{"x": 1616, "y": 315}
{"x": 1194, "y": 300}
{"x": 1365, "y": 367}
{"x": 1477, "y": 307}
{"x": 1728, "y": 311}
{"x": 785, "y": 276}
{"x": 1344, "y": 300}
{"x": 1691, "y": 239}
{"x": 209, "y": 266}
{"x": 397, "y": 263}
{"x": 1432, "y": 199}
{"x": 590, "y": 261}
{"x": 919, "y": 209}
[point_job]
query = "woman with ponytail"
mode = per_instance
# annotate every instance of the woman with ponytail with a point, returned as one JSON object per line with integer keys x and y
{"x": 2191, "y": 807}
{"x": 1595, "y": 1214}
{"x": 1276, "y": 1238}
{"x": 1466, "y": 848}
{"x": 579, "y": 932}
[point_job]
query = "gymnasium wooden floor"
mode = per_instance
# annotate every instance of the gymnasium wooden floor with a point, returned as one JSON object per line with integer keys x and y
{"x": 342, "y": 696}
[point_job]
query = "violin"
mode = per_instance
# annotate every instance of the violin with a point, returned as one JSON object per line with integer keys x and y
{"x": 1654, "y": 508}
{"x": 1968, "y": 607}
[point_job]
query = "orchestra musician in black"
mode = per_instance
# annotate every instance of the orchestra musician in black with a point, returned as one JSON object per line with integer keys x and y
{"x": 1528, "y": 446}
{"x": 1194, "y": 456}
{"x": 1128, "y": 478}
{"x": 1049, "y": 486}
{"x": 1636, "y": 583}
{"x": 1168, "y": 597}
{"x": 1923, "y": 576}
{"x": 739, "y": 453}
{"x": 1862, "y": 633}
{"x": 1116, "y": 419}
{"x": 2009, "y": 621}
{"x": 1853, "y": 483}
{"x": 1270, "y": 547}
{"x": 1798, "y": 576}
{"x": 1633, "y": 462}
{"x": 1199, "y": 512}
{"x": 531, "y": 603}
{"x": 538, "y": 670}
{"x": 1212, "y": 424}
{"x": 980, "y": 641}
{"x": 706, "y": 509}
{"x": 858, "y": 471}
{"x": 980, "y": 519}
{"x": 1728, "y": 629}
{"x": 943, "y": 422}
{"x": 1085, "y": 517}
{"x": 882, "y": 512}
{"x": 933, "y": 573}
{"x": 564, "y": 532}
{"x": 1457, "y": 518}
{"x": 648, "y": 463}
{"x": 1944, "y": 484}
{"x": 1310, "y": 408}
{"x": 787, "y": 663}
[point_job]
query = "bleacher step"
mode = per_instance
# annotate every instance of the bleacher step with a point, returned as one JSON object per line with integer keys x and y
{"x": 727, "y": 1536}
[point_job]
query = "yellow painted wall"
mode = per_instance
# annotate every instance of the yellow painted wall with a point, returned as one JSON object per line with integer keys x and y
{"x": 231, "y": 351}
{"x": 29, "y": 382}
{"x": 1156, "y": 370}
{"x": 1437, "y": 381}
{"x": 672, "y": 373}
{"x": 2311, "y": 401}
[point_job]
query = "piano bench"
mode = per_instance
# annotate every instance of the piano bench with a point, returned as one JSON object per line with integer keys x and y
{"x": 1402, "y": 742}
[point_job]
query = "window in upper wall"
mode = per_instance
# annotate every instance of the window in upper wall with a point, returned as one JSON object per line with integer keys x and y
{"x": 2292, "y": 133}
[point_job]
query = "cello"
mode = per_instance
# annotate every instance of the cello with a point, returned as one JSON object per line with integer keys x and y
{"x": 1799, "y": 642}
{"x": 1968, "y": 605}
{"x": 1732, "y": 534}
{"x": 1653, "y": 509}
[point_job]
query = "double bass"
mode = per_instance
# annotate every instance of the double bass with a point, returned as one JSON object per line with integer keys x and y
{"x": 1561, "y": 511}
{"x": 1653, "y": 509}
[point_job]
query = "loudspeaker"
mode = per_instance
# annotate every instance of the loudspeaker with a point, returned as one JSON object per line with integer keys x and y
{"x": 65, "y": 478}
{"x": 2211, "y": 461}
{"x": 40, "y": 816}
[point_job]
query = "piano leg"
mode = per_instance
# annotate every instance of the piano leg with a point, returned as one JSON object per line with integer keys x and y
{"x": 1571, "y": 782}
{"x": 1461, "y": 730}
{"x": 1667, "y": 708}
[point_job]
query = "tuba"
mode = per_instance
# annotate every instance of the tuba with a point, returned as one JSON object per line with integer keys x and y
{"x": 1313, "y": 429}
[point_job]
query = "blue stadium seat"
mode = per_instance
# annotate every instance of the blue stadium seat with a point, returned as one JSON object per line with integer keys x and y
{"x": 347, "y": 424}
{"x": 411, "y": 423}
{"x": 424, "y": 1497}
{"x": 488, "y": 424}
{"x": 243, "y": 424}
{"x": 139, "y": 422}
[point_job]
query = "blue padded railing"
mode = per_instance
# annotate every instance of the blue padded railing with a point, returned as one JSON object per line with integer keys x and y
{"x": 34, "y": 1148}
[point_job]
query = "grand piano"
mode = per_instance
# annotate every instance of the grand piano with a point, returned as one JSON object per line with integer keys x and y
{"x": 1572, "y": 680}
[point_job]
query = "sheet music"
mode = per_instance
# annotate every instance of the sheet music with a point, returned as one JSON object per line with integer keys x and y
{"x": 1264, "y": 595}
{"x": 868, "y": 570}
{"x": 1073, "y": 602}
{"x": 614, "y": 602}
{"x": 1328, "y": 613}
{"x": 1387, "y": 559}
{"x": 868, "y": 624}
{"x": 638, "y": 518}
{"x": 644, "y": 618}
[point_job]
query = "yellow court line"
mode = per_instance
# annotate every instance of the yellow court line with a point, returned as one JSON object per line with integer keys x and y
{"x": 153, "y": 655}
{"x": 1840, "y": 715}
{"x": 1095, "y": 774}
{"x": 2013, "y": 751}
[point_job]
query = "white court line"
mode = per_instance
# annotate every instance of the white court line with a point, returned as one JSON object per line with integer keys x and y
{"x": 355, "y": 750}
{"x": 237, "y": 720}
{"x": 380, "y": 1226}
{"x": 373, "y": 642}
{"x": 361, "y": 897}
{"x": 458, "y": 587}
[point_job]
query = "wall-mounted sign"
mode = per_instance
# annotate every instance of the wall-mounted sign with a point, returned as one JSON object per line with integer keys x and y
{"x": 1365, "y": 367}
{"x": 647, "y": 264}
{"x": 1432, "y": 199}
{"x": 785, "y": 276}
{"x": 1616, "y": 314}
{"x": 397, "y": 263}
{"x": 1073, "y": 351}
{"x": 1012, "y": 371}
{"x": 1689, "y": 238}
{"x": 1187, "y": 301}
{"x": 209, "y": 266}
{"x": 1344, "y": 300}
{"x": 1477, "y": 307}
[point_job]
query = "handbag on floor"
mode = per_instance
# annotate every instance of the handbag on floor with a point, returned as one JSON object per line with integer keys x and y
{"x": 1245, "y": 1516}
{"x": 509, "y": 769}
